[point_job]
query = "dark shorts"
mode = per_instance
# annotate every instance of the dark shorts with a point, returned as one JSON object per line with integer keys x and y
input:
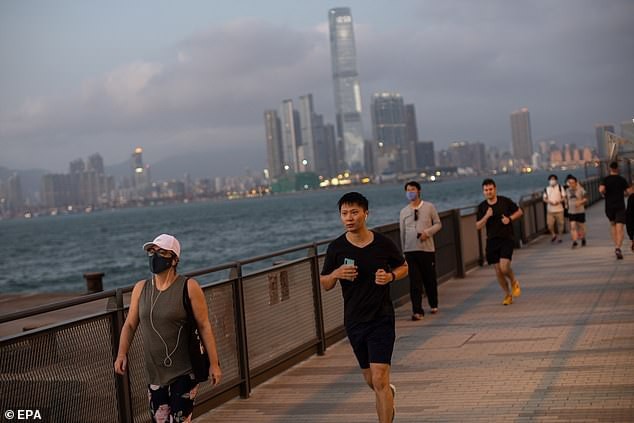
{"x": 373, "y": 341}
{"x": 499, "y": 248}
{"x": 615, "y": 215}
{"x": 577, "y": 217}
{"x": 171, "y": 402}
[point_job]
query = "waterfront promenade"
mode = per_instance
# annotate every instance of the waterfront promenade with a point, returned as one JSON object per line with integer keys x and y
{"x": 564, "y": 351}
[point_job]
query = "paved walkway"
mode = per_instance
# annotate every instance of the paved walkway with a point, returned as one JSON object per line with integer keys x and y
{"x": 564, "y": 351}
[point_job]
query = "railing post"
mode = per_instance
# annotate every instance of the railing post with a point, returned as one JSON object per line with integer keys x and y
{"x": 122, "y": 382}
{"x": 319, "y": 309}
{"x": 460, "y": 267}
{"x": 241, "y": 331}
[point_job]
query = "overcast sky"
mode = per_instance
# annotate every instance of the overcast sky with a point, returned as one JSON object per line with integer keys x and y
{"x": 79, "y": 77}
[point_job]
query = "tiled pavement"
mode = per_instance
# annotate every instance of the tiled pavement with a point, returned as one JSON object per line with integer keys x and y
{"x": 564, "y": 351}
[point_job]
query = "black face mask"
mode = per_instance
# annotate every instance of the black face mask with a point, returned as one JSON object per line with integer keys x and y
{"x": 159, "y": 264}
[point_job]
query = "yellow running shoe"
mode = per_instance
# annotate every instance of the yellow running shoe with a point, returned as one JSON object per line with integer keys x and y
{"x": 507, "y": 300}
{"x": 516, "y": 288}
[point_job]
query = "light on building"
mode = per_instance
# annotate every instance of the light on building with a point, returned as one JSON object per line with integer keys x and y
{"x": 304, "y": 162}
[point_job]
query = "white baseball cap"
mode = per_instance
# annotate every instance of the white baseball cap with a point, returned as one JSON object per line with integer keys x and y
{"x": 165, "y": 242}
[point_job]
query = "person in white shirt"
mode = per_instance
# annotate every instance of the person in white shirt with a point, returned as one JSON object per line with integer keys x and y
{"x": 419, "y": 222}
{"x": 555, "y": 199}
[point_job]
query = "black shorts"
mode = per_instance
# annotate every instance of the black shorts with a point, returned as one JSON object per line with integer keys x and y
{"x": 373, "y": 341}
{"x": 577, "y": 217}
{"x": 499, "y": 248}
{"x": 615, "y": 215}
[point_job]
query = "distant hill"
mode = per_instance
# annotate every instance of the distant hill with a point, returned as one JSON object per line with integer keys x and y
{"x": 206, "y": 164}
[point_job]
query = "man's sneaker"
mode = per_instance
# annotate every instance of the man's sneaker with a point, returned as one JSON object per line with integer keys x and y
{"x": 583, "y": 243}
{"x": 507, "y": 300}
{"x": 516, "y": 288}
{"x": 434, "y": 310}
{"x": 417, "y": 316}
{"x": 393, "y": 388}
{"x": 619, "y": 254}
{"x": 553, "y": 239}
{"x": 574, "y": 244}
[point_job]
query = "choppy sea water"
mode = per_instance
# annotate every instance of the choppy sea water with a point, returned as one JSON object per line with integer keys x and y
{"x": 50, "y": 254}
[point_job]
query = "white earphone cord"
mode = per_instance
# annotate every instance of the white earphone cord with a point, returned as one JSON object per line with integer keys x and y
{"x": 167, "y": 362}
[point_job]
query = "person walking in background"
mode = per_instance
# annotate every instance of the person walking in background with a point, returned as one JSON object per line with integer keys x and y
{"x": 418, "y": 223}
{"x": 157, "y": 307}
{"x": 365, "y": 263}
{"x": 555, "y": 198}
{"x": 576, "y": 199}
{"x": 613, "y": 188}
{"x": 497, "y": 213}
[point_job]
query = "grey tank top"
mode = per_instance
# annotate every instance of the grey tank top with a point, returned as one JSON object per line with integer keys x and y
{"x": 162, "y": 320}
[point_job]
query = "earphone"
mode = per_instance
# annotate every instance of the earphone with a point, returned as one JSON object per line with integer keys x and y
{"x": 167, "y": 361}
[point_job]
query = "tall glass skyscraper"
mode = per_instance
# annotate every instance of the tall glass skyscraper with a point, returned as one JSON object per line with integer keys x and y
{"x": 346, "y": 87}
{"x": 521, "y": 135}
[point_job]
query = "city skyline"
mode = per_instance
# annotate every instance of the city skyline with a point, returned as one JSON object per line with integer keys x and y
{"x": 194, "y": 83}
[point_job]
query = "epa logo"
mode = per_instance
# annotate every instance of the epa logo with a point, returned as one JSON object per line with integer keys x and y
{"x": 23, "y": 415}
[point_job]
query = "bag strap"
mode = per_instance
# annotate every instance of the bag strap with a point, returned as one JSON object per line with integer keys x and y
{"x": 186, "y": 301}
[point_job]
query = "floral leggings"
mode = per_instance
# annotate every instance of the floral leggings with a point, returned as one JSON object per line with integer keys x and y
{"x": 173, "y": 402}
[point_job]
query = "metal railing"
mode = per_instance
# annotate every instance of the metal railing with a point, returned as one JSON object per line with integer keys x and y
{"x": 264, "y": 320}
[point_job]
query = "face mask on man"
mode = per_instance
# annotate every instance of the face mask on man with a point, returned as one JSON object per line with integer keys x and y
{"x": 411, "y": 195}
{"x": 159, "y": 264}
{"x": 553, "y": 182}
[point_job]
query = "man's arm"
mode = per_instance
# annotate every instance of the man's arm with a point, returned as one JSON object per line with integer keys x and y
{"x": 345, "y": 271}
{"x": 480, "y": 223}
{"x": 436, "y": 224}
{"x": 382, "y": 277}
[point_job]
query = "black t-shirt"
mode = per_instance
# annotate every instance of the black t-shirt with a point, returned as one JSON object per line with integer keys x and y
{"x": 615, "y": 186}
{"x": 495, "y": 228}
{"x": 363, "y": 299}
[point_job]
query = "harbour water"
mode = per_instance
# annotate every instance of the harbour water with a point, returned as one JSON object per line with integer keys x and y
{"x": 50, "y": 254}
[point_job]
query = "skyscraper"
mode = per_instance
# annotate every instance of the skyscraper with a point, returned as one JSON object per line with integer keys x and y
{"x": 389, "y": 127}
{"x": 306, "y": 152}
{"x": 599, "y": 130}
{"x": 289, "y": 136}
{"x": 521, "y": 135}
{"x": 346, "y": 87}
{"x": 273, "y": 143}
{"x": 411, "y": 136}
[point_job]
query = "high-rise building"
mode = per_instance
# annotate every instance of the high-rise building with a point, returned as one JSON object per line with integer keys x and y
{"x": 77, "y": 166}
{"x": 140, "y": 173}
{"x": 95, "y": 163}
{"x": 274, "y": 153}
{"x": 347, "y": 90}
{"x": 468, "y": 155}
{"x": 388, "y": 125}
{"x": 15, "y": 198}
{"x": 411, "y": 135}
{"x": 627, "y": 132}
{"x": 325, "y": 147}
{"x": 289, "y": 127}
{"x": 599, "y": 130}
{"x": 425, "y": 158}
{"x": 521, "y": 135}
{"x": 306, "y": 151}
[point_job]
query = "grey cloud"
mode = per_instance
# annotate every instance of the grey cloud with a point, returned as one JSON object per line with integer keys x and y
{"x": 465, "y": 65}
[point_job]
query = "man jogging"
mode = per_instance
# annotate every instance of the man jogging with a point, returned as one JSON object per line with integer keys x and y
{"x": 497, "y": 213}
{"x": 365, "y": 263}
